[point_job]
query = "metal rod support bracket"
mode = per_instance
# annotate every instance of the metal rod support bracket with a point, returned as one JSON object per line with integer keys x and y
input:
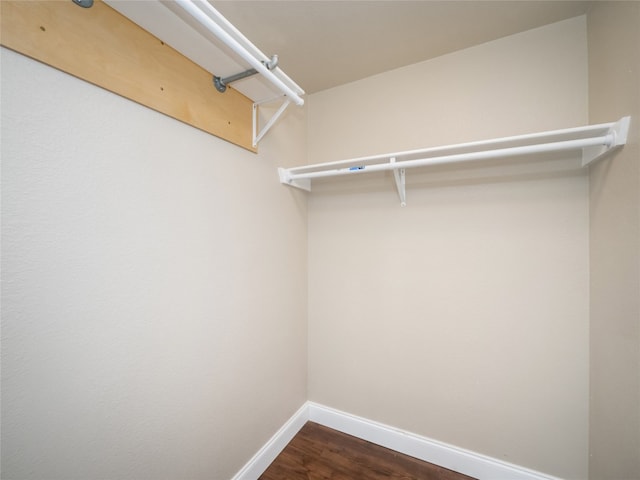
{"x": 84, "y": 3}
{"x": 617, "y": 133}
{"x": 221, "y": 83}
{"x": 285, "y": 178}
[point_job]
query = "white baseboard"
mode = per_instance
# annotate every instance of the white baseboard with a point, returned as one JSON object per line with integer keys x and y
{"x": 460, "y": 460}
{"x": 268, "y": 453}
{"x": 432, "y": 451}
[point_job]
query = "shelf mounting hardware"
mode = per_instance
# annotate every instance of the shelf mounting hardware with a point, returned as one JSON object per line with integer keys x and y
{"x": 84, "y": 3}
{"x": 618, "y": 136}
{"x": 213, "y": 21}
{"x": 257, "y": 135}
{"x": 221, "y": 83}
{"x": 399, "y": 176}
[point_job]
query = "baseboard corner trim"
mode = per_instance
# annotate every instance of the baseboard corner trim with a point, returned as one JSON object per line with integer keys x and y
{"x": 268, "y": 453}
{"x": 448, "y": 456}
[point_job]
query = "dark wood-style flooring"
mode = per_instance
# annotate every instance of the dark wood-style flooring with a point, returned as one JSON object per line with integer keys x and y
{"x": 318, "y": 453}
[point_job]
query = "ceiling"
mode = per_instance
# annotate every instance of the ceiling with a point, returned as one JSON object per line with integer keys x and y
{"x": 325, "y": 43}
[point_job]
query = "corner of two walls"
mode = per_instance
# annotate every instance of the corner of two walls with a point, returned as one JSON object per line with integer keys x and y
{"x": 155, "y": 317}
{"x": 154, "y": 286}
{"x": 614, "y": 91}
{"x": 463, "y": 317}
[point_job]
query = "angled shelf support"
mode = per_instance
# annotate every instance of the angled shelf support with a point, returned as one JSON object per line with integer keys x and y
{"x": 259, "y": 133}
{"x": 399, "y": 176}
{"x": 214, "y": 22}
{"x": 592, "y": 141}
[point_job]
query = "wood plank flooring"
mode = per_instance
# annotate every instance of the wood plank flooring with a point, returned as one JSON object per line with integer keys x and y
{"x": 319, "y": 453}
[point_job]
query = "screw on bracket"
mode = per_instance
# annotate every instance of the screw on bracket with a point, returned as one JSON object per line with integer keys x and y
{"x": 84, "y": 3}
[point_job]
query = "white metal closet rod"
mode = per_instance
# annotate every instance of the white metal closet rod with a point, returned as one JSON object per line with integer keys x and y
{"x": 595, "y": 141}
{"x": 250, "y": 47}
{"x": 495, "y": 142}
{"x": 605, "y": 140}
{"x": 206, "y": 21}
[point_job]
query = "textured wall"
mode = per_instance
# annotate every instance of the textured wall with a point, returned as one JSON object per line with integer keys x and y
{"x": 153, "y": 287}
{"x": 614, "y": 91}
{"x": 464, "y": 316}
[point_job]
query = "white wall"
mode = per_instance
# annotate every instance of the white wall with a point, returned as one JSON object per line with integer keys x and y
{"x": 154, "y": 280}
{"x": 614, "y": 91}
{"x": 464, "y": 316}
{"x": 153, "y": 287}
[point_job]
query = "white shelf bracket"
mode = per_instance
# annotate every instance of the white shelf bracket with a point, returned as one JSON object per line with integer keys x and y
{"x": 257, "y": 135}
{"x": 399, "y": 176}
{"x": 617, "y": 133}
{"x": 285, "y": 178}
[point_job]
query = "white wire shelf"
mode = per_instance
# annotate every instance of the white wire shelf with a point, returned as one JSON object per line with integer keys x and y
{"x": 593, "y": 141}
